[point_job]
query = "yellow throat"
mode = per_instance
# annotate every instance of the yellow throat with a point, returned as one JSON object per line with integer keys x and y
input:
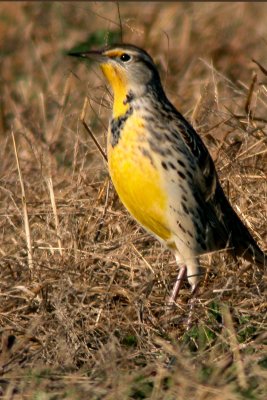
{"x": 118, "y": 81}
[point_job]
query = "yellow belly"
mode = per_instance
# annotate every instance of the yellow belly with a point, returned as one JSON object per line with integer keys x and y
{"x": 137, "y": 181}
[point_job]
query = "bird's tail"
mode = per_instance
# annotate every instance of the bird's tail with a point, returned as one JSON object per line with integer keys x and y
{"x": 241, "y": 239}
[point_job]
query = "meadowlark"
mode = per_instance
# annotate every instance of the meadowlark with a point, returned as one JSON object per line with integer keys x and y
{"x": 161, "y": 169}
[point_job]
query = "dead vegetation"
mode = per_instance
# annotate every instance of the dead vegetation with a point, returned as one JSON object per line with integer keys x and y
{"x": 83, "y": 287}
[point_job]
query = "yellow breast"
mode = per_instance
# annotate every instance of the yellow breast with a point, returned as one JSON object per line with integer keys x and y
{"x": 137, "y": 179}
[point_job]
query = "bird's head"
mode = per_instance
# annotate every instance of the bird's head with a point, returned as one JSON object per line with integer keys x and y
{"x": 129, "y": 71}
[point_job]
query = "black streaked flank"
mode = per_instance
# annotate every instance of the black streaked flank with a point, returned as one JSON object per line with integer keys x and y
{"x": 183, "y": 189}
{"x": 164, "y": 165}
{"x": 181, "y": 174}
{"x": 171, "y": 165}
{"x": 180, "y": 162}
{"x": 181, "y": 226}
{"x": 185, "y": 208}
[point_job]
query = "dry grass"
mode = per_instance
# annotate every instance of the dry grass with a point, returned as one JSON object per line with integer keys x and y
{"x": 82, "y": 286}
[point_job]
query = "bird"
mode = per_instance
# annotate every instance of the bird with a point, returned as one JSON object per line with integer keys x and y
{"x": 162, "y": 170}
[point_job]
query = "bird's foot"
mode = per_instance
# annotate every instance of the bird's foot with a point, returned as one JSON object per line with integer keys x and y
{"x": 176, "y": 288}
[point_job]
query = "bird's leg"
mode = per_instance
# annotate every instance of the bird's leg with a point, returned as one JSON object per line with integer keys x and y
{"x": 180, "y": 277}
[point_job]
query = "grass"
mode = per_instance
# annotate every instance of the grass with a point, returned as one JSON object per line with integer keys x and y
{"x": 83, "y": 287}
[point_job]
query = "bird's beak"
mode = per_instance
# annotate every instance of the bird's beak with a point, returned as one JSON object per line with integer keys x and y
{"x": 93, "y": 55}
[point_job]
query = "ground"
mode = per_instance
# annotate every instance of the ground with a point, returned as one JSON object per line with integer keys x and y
{"x": 83, "y": 287}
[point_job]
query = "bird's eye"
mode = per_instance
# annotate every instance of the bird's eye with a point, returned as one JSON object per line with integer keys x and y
{"x": 125, "y": 57}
